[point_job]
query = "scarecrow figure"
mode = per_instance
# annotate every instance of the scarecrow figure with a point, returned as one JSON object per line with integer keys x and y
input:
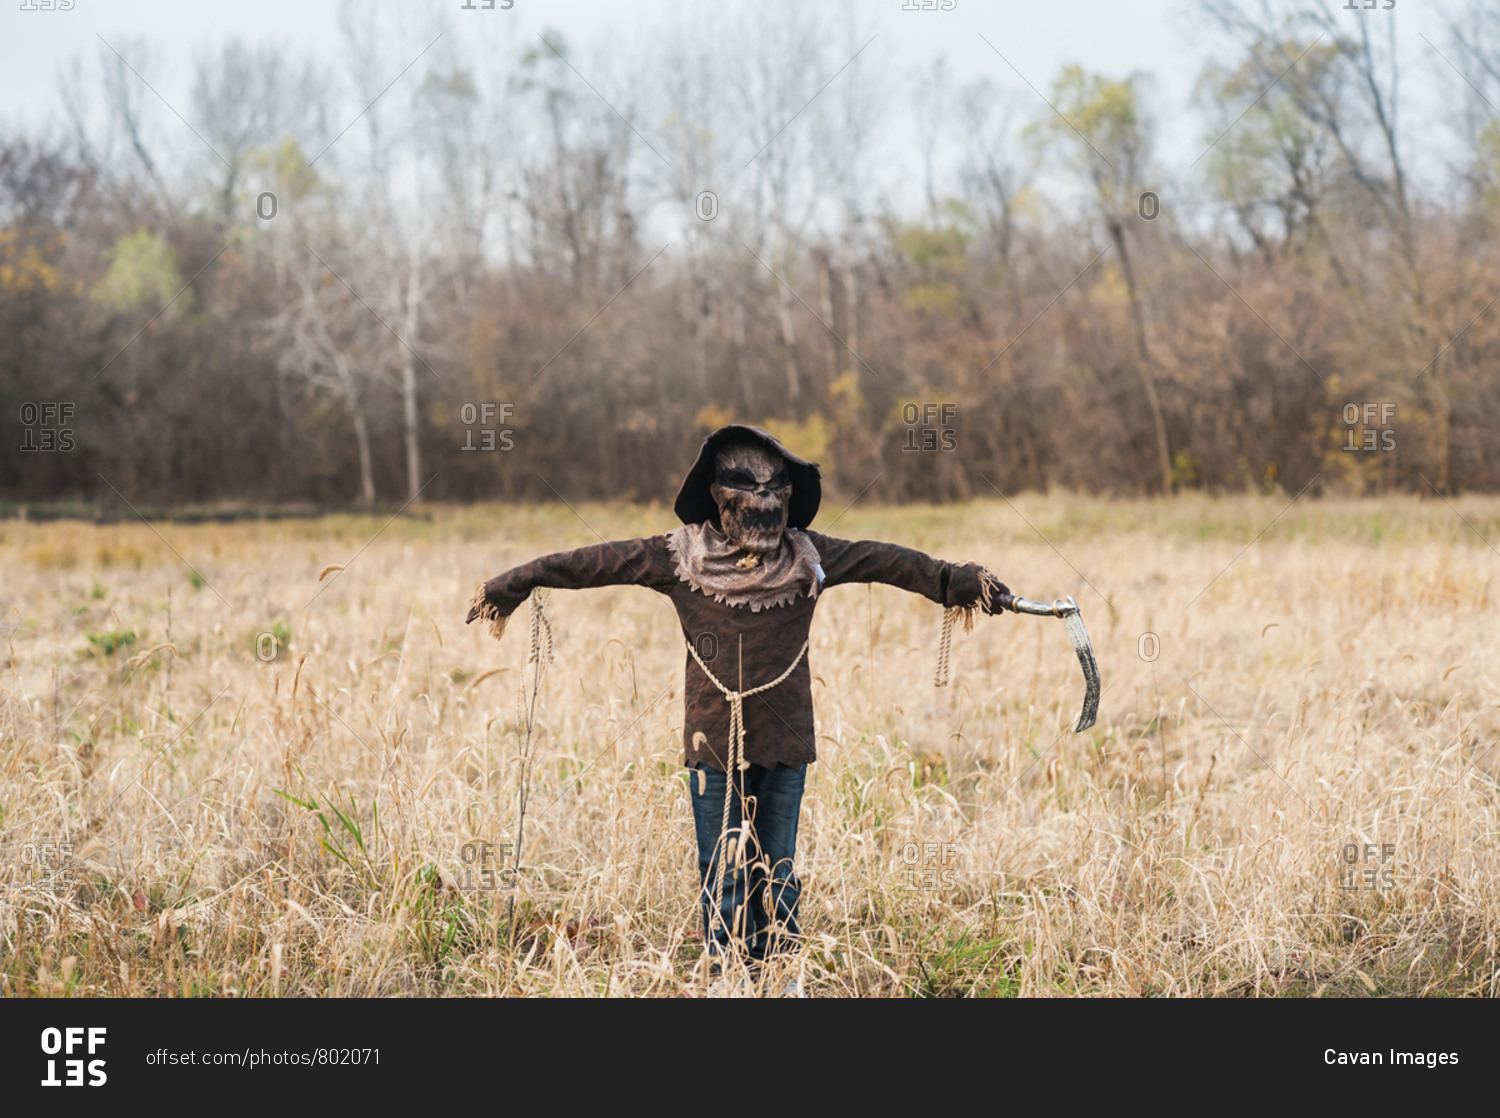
{"x": 745, "y": 575}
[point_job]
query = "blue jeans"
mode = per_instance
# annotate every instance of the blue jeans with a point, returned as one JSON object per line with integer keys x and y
{"x": 758, "y": 911}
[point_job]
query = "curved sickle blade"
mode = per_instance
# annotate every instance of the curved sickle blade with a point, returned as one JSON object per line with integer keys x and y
{"x": 1080, "y": 638}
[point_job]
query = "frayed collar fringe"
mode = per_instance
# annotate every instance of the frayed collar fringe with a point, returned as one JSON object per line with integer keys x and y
{"x": 708, "y": 562}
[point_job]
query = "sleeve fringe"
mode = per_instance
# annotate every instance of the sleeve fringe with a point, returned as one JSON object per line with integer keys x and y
{"x": 488, "y": 611}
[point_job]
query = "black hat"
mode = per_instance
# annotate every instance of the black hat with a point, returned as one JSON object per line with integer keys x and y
{"x": 695, "y": 502}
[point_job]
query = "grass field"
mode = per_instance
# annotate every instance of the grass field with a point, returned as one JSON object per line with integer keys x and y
{"x": 189, "y": 807}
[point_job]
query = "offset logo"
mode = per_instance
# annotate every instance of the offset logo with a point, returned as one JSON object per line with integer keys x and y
{"x": 67, "y": 1042}
{"x": 936, "y": 430}
{"x": 485, "y": 414}
{"x": 43, "y": 426}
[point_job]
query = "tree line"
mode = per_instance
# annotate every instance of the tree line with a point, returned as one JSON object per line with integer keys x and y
{"x": 543, "y": 272}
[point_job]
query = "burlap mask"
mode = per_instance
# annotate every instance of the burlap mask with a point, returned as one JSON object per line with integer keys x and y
{"x": 753, "y": 491}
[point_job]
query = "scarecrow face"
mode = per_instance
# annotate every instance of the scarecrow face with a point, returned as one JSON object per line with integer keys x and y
{"x": 753, "y": 491}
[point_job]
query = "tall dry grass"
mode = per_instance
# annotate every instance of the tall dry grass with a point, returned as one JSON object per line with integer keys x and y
{"x": 219, "y": 825}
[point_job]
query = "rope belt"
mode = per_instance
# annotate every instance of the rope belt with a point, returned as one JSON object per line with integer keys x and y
{"x": 736, "y": 762}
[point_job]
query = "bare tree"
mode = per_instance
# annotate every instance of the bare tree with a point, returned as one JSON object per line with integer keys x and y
{"x": 776, "y": 78}
{"x": 311, "y": 351}
{"x": 989, "y": 175}
{"x": 860, "y": 100}
{"x": 703, "y": 181}
{"x": 394, "y": 189}
{"x": 131, "y": 104}
{"x": 1105, "y": 128}
{"x": 933, "y": 105}
{"x": 247, "y": 100}
{"x": 1346, "y": 85}
{"x": 321, "y": 337}
{"x": 1474, "y": 36}
{"x": 1267, "y": 161}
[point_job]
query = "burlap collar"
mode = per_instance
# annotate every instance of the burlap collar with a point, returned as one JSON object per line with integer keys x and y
{"x": 709, "y": 563}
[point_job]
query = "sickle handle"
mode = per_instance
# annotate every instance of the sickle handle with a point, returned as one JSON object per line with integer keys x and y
{"x": 1018, "y": 604}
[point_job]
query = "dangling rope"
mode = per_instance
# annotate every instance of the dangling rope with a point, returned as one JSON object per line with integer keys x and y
{"x": 989, "y": 586}
{"x": 736, "y": 763}
{"x": 945, "y": 643}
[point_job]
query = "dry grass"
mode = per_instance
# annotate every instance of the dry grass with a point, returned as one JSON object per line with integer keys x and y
{"x": 1350, "y": 651}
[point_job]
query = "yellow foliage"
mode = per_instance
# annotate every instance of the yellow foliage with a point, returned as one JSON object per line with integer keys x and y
{"x": 22, "y": 267}
{"x": 939, "y": 299}
{"x": 289, "y": 165}
{"x": 142, "y": 272}
{"x": 809, "y": 438}
{"x": 713, "y": 417}
{"x": 942, "y": 249}
{"x": 844, "y": 393}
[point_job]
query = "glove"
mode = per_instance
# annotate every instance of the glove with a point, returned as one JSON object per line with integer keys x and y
{"x": 967, "y": 586}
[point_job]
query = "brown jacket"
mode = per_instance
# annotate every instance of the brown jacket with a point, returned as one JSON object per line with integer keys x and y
{"x": 778, "y": 722}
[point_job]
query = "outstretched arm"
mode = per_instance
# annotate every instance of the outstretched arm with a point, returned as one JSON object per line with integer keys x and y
{"x": 965, "y": 585}
{"x": 622, "y": 563}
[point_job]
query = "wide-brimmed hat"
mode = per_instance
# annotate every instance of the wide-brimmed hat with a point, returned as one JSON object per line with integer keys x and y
{"x": 695, "y": 500}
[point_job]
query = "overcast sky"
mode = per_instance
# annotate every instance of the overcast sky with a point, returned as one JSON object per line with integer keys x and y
{"x": 1167, "y": 38}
